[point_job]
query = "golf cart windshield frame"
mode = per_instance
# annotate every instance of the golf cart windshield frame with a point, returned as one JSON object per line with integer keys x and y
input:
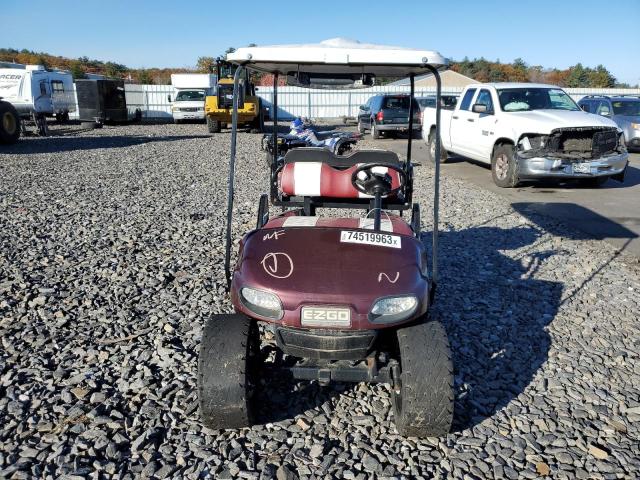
{"x": 408, "y": 166}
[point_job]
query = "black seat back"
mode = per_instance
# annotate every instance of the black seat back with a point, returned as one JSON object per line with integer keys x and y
{"x": 316, "y": 154}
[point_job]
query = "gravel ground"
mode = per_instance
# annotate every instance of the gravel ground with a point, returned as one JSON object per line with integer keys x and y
{"x": 111, "y": 261}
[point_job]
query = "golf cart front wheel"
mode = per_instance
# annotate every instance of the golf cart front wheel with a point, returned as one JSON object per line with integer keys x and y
{"x": 423, "y": 403}
{"x": 226, "y": 371}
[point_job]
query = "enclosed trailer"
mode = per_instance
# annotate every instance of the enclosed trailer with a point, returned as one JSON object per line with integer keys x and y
{"x": 103, "y": 101}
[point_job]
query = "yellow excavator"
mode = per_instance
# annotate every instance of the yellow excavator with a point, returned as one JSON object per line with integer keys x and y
{"x": 218, "y": 107}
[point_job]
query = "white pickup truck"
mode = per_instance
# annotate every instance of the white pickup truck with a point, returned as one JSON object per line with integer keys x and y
{"x": 529, "y": 131}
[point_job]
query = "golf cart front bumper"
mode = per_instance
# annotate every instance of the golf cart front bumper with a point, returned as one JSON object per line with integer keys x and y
{"x": 549, "y": 167}
{"x": 325, "y": 344}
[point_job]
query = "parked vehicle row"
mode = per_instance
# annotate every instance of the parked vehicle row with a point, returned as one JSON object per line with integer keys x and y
{"x": 624, "y": 110}
{"x": 529, "y": 131}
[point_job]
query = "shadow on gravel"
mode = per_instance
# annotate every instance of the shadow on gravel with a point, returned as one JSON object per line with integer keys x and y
{"x": 495, "y": 313}
{"x": 57, "y": 144}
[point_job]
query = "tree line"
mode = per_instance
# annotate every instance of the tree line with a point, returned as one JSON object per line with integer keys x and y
{"x": 576, "y": 76}
{"x": 481, "y": 70}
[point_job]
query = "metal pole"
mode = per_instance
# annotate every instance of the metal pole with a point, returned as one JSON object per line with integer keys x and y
{"x": 232, "y": 168}
{"x": 436, "y": 187}
{"x": 274, "y": 105}
{"x": 411, "y": 106}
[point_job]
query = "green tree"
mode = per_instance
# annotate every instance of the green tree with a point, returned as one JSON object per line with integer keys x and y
{"x": 600, "y": 77}
{"x": 77, "y": 71}
{"x": 112, "y": 69}
{"x": 578, "y": 77}
{"x": 206, "y": 64}
{"x": 144, "y": 77}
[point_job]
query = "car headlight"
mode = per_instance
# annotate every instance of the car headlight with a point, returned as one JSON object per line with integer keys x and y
{"x": 262, "y": 303}
{"x": 621, "y": 143}
{"x": 635, "y": 126}
{"x": 175, "y": 109}
{"x": 534, "y": 142}
{"x": 393, "y": 309}
{"x": 201, "y": 109}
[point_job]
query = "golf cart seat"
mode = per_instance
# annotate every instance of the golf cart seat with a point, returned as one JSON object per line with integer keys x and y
{"x": 315, "y": 172}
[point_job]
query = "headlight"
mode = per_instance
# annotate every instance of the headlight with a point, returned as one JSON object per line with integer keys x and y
{"x": 393, "y": 309}
{"x": 262, "y": 303}
{"x": 175, "y": 109}
{"x": 635, "y": 126}
{"x": 534, "y": 142}
{"x": 201, "y": 109}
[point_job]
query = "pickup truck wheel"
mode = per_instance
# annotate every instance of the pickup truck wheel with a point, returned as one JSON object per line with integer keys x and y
{"x": 375, "y": 134}
{"x": 432, "y": 148}
{"x": 227, "y": 365}
{"x": 9, "y": 124}
{"x": 423, "y": 404}
{"x": 504, "y": 168}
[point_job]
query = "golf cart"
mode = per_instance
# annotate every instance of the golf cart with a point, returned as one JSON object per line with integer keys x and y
{"x": 346, "y": 297}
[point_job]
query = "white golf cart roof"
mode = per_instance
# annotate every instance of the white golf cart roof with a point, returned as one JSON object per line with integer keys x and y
{"x": 339, "y": 56}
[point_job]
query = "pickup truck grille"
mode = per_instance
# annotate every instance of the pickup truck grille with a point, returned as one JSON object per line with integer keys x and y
{"x": 579, "y": 143}
{"x": 584, "y": 142}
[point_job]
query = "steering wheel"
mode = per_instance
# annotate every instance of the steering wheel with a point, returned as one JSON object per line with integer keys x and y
{"x": 365, "y": 179}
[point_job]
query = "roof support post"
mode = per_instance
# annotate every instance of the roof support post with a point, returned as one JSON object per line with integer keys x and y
{"x": 436, "y": 188}
{"x": 411, "y": 107}
{"x": 274, "y": 106}
{"x": 232, "y": 170}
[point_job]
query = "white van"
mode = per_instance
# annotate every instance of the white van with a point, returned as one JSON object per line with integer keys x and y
{"x": 190, "y": 91}
{"x": 38, "y": 93}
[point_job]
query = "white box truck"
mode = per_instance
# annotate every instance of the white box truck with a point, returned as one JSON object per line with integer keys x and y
{"x": 38, "y": 93}
{"x": 190, "y": 91}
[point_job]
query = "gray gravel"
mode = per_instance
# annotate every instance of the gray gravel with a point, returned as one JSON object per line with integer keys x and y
{"x": 111, "y": 261}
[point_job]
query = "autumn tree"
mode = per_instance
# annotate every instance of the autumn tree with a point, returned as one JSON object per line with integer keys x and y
{"x": 206, "y": 64}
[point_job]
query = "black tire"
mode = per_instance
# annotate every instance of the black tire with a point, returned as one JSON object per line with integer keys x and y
{"x": 361, "y": 128}
{"x": 504, "y": 168}
{"x": 431, "y": 148}
{"x": 424, "y": 405}
{"x": 375, "y": 134}
{"x": 62, "y": 118}
{"x": 593, "y": 182}
{"x": 226, "y": 371}
{"x": 9, "y": 124}
{"x": 213, "y": 125}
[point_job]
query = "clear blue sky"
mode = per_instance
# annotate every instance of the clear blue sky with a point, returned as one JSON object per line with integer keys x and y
{"x": 174, "y": 33}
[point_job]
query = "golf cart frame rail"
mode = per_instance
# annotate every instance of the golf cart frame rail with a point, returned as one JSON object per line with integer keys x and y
{"x": 308, "y": 205}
